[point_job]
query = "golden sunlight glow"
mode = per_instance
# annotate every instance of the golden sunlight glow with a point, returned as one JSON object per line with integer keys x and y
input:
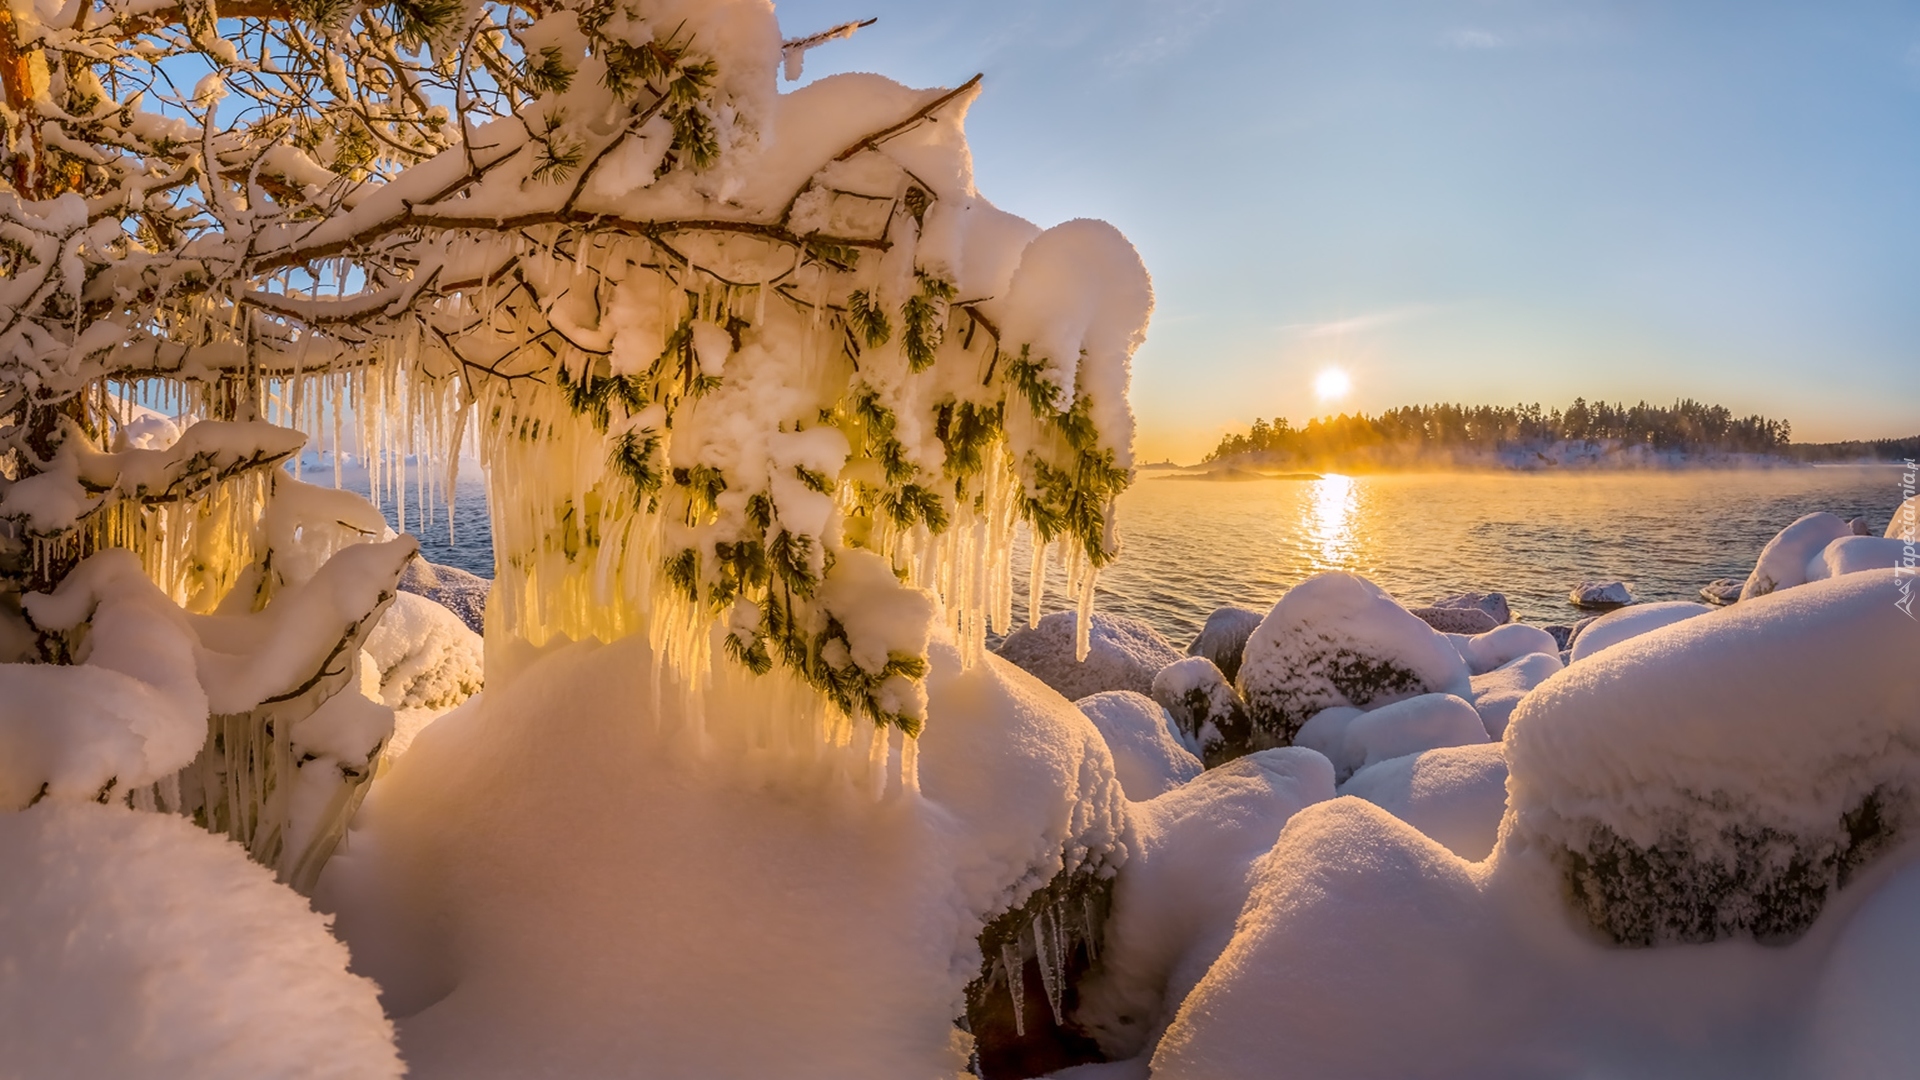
{"x": 1332, "y": 385}
{"x": 1330, "y": 522}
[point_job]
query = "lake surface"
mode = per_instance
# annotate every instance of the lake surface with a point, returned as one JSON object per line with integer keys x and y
{"x": 1190, "y": 546}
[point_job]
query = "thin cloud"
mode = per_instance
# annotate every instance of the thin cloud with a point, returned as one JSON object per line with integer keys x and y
{"x": 1172, "y": 31}
{"x": 1358, "y": 324}
{"x": 1473, "y": 39}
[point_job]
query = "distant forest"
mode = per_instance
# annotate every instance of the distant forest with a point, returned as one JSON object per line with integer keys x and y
{"x": 1439, "y": 431}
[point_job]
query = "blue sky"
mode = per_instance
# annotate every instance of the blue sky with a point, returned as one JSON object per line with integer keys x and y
{"x": 1471, "y": 200}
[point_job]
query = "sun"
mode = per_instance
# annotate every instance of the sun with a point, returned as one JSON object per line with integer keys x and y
{"x": 1332, "y": 385}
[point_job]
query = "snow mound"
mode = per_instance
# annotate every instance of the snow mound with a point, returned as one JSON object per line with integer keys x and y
{"x": 1176, "y": 902}
{"x": 1338, "y": 639}
{"x": 1498, "y": 692}
{"x": 137, "y": 944}
{"x": 1783, "y": 562}
{"x": 1147, "y": 758}
{"x": 1860, "y": 1024}
{"x": 1600, "y": 594}
{"x": 1501, "y": 646}
{"x": 1206, "y": 711}
{"x": 1224, "y": 638}
{"x": 1455, "y": 795}
{"x": 1123, "y": 654}
{"x": 1617, "y": 626}
{"x": 1363, "y": 951}
{"x": 490, "y": 881}
{"x": 1905, "y": 523}
{"x": 1721, "y": 776}
{"x": 425, "y": 656}
{"x": 1427, "y": 722}
{"x": 1852, "y": 554}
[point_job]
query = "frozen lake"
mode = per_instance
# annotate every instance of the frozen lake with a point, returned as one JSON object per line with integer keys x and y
{"x": 1192, "y": 546}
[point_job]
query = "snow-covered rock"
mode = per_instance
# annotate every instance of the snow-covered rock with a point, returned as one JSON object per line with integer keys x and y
{"x": 1224, "y": 638}
{"x": 1852, "y": 554}
{"x": 1905, "y": 523}
{"x": 1122, "y": 654}
{"x": 1723, "y": 776}
{"x": 1617, "y": 626}
{"x": 1493, "y": 603}
{"x": 1338, "y": 639}
{"x": 1783, "y": 562}
{"x": 1176, "y": 901}
{"x": 1722, "y": 591}
{"x": 1561, "y": 634}
{"x": 1457, "y": 620}
{"x": 1325, "y": 733}
{"x": 1498, "y": 692}
{"x": 1427, "y": 722}
{"x": 1206, "y": 710}
{"x": 424, "y": 655}
{"x": 1860, "y": 526}
{"x": 1455, "y": 795}
{"x": 1600, "y": 594}
{"x": 460, "y": 591}
{"x": 137, "y": 944}
{"x": 1146, "y": 757}
{"x": 1502, "y": 645}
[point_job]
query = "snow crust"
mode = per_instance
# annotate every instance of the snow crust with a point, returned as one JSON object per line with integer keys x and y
{"x": 1630, "y": 622}
{"x": 136, "y": 944}
{"x": 1147, "y": 757}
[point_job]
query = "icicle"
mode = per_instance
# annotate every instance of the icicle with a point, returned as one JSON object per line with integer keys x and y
{"x": 1011, "y": 963}
{"x": 1051, "y": 958}
{"x": 1036, "y": 582}
{"x": 1083, "y": 615}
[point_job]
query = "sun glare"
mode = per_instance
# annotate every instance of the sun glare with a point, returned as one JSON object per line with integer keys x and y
{"x": 1332, "y": 385}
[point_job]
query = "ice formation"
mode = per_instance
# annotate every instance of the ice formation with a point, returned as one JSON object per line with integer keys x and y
{"x": 1338, "y": 639}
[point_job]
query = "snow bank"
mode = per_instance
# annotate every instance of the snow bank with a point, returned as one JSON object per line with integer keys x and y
{"x": 1224, "y": 638}
{"x": 1146, "y": 757}
{"x": 1783, "y": 562}
{"x": 1617, "y": 626}
{"x": 490, "y": 881}
{"x": 1426, "y": 722}
{"x": 137, "y": 944}
{"x": 1176, "y": 901}
{"x": 1455, "y": 795}
{"x": 1498, "y": 692}
{"x": 1207, "y": 712}
{"x": 1721, "y": 776}
{"x": 1123, "y": 654}
{"x": 1338, "y": 639}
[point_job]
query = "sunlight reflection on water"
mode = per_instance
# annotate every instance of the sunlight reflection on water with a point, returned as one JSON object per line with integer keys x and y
{"x": 1329, "y": 521}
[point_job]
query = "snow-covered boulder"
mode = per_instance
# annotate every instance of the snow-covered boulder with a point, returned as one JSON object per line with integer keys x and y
{"x": 1338, "y": 639}
{"x": 1852, "y": 554}
{"x": 1224, "y": 638}
{"x": 1600, "y": 594}
{"x": 1146, "y": 757}
{"x": 1449, "y": 620}
{"x": 137, "y": 944}
{"x": 459, "y": 591}
{"x": 1860, "y": 526}
{"x": 1783, "y": 562}
{"x": 1427, "y": 722}
{"x": 1617, "y": 626}
{"x": 1905, "y": 523}
{"x": 1498, "y": 692}
{"x": 1455, "y": 795}
{"x": 1206, "y": 710}
{"x": 1325, "y": 733}
{"x": 425, "y": 656}
{"x": 1122, "y": 654}
{"x": 1493, "y": 603}
{"x": 1722, "y": 591}
{"x": 1176, "y": 901}
{"x": 1502, "y": 645}
{"x": 1723, "y": 776}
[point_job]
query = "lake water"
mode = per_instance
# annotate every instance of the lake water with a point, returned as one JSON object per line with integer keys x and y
{"x": 1192, "y": 546}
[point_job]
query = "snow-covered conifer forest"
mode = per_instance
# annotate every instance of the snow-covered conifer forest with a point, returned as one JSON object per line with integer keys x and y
{"x": 720, "y": 779}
